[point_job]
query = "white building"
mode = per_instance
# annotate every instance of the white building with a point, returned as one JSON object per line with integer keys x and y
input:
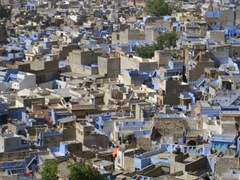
{"x": 23, "y": 80}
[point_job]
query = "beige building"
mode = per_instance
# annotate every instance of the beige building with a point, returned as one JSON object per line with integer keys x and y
{"x": 85, "y": 133}
{"x": 165, "y": 123}
{"x": 123, "y": 37}
{"x": 83, "y": 60}
{"x": 64, "y": 50}
{"x": 67, "y": 126}
{"x": 224, "y": 18}
{"x": 141, "y": 64}
{"x": 197, "y": 27}
{"x": 162, "y": 57}
{"x": 108, "y": 66}
{"x": 45, "y": 71}
{"x": 217, "y": 35}
{"x": 169, "y": 91}
{"x": 196, "y": 65}
{"x": 187, "y": 163}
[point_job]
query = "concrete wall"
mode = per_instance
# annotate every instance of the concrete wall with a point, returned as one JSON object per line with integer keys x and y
{"x": 12, "y": 144}
{"x": 226, "y": 18}
{"x": 220, "y": 55}
{"x": 217, "y": 36}
{"x": 113, "y": 67}
{"x": 170, "y": 91}
{"x": 138, "y": 63}
{"x": 197, "y": 165}
{"x": 129, "y": 163}
{"x": 52, "y": 140}
{"x": 67, "y": 49}
{"x": 124, "y": 36}
{"x": 69, "y": 134}
{"x": 27, "y": 80}
{"x": 84, "y": 135}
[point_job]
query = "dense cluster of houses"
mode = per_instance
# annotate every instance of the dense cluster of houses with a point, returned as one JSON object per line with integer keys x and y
{"x": 72, "y": 87}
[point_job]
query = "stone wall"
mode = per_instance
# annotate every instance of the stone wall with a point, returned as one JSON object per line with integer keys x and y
{"x": 145, "y": 142}
{"x": 128, "y": 163}
{"x": 109, "y": 67}
{"x": 224, "y": 163}
{"x": 11, "y": 156}
{"x": 165, "y": 127}
{"x": 52, "y": 140}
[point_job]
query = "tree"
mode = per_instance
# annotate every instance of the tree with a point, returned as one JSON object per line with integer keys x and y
{"x": 49, "y": 170}
{"x": 83, "y": 171}
{"x": 167, "y": 40}
{"x": 158, "y": 7}
{"x": 146, "y": 51}
{"x": 181, "y": 10}
{"x": 3, "y": 11}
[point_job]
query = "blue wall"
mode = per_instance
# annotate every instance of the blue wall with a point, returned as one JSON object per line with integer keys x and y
{"x": 16, "y": 113}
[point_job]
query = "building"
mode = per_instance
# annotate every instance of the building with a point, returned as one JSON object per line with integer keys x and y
{"x": 12, "y": 142}
{"x": 164, "y": 123}
{"x": 23, "y": 80}
{"x": 89, "y": 136}
{"x": 109, "y": 66}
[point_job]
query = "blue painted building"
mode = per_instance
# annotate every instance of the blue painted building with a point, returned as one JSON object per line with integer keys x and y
{"x": 100, "y": 119}
{"x": 57, "y": 114}
{"x": 16, "y": 112}
{"x": 105, "y": 168}
{"x": 62, "y": 150}
{"x": 136, "y": 127}
{"x": 162, "y": 154}
{"x": 3, "y": 112}
{"x": 30, "y": 121}
{"x": 136, "y": 77}
{"x": 40, "y": 139}
{"x": 220, "y": 142}
{"x": 29, "y": 163}
{"x": 106, "y": 30}
{"x": 152, "y": 157}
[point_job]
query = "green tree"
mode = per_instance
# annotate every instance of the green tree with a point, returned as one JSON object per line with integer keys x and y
{"x": 146, "y": 51}
{"x": 49, "y": 170}
{"x": 167, "y": 40}
{"x": 158, "y": 7}
{"x": 181, "y": 10}
{"x": 3, "y": 11}
{"x": 83, "y": 171}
